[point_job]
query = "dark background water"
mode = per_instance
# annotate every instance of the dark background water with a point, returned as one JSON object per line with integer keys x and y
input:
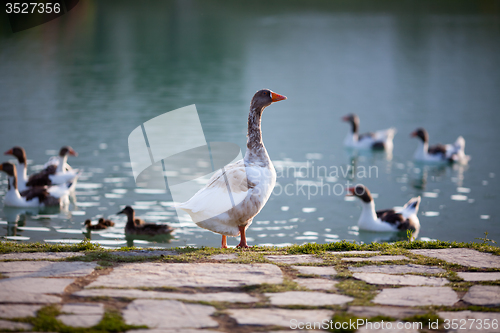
{"x": 90, "y": 77}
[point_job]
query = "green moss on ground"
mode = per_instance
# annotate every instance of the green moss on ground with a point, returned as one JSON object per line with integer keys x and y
{"x": 46, "y": 321}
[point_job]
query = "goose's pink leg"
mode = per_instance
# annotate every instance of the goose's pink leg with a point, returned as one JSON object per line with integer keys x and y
{"x": 224, "y": 242}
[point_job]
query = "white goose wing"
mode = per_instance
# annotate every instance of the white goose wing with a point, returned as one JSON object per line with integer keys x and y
{"x": 226, "y": 189}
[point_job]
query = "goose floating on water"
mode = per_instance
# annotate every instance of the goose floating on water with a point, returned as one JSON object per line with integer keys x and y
{"x": 388, "y": 219}
{"x": 56, "y": 171}
{"x": 35, "y": 196}
{"x": 439, "y": 153}
{"x": 377, "y": 140}
{"x": 251, "y": 181}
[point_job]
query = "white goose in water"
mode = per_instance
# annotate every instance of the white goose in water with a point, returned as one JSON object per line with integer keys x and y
{"x": 32, "y": 197}
{"x": 251, "y": 182}
{"x": 48, "y": 176}
{"x": 377, "y": 140}
{"x": 388, "y": 219}
{"x": 56, "y": 171}
{"x": 439, "y": 153}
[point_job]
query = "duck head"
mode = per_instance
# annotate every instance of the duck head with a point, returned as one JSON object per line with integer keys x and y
{"x": 17, "y": 152}
{"x": 127, "y": 211}
{"x": 421, "y": 134}
{"x": 361, "y": 192}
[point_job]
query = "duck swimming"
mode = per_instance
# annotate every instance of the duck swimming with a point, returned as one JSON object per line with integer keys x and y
{"x": 387, "y": 219}
{"x": 374, "y": 140}
{"x": 439, "y": 153}
{"x": 249, "y": 182}
{"x": 139, "y": 227}
{"x": 101, "y": 224}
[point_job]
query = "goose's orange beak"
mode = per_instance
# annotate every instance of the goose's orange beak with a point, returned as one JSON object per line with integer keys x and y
{"x": 350, "y": 192}
{"x": 1, "y": 167}
{"x": 277, "y": 97}
{"x": 73, "y": 153}
{"x": 413, "y": 134}
{"x": 9, "y": 152}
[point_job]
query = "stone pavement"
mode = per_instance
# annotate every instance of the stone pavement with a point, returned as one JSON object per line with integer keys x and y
{"x": 282, "y": 293}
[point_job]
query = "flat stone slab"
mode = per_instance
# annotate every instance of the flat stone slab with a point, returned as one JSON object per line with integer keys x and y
{"x": 144, "y": 253}
{"x": 40, "y": 255}
{"x": 307, "y": 298}
{"x": 401, "y": 280}
{"x": 169, "y": 314}
{"x": 376, "y": 258}
{"x": 34, "y": 285}
{"x": 46, "y": 268}
{"x": 295, "y": 259}
{"x": 417, "y": 296}
{"x": 83, "y": 308}
{"x": 316, "y": 270}
{"x": 352, "y": 252}
{"x": 460, "y": 316}
{"x": 229, "y": 256}
{"x": 18, "y": 311}
{"x": 134, "y": 293}
{"x": 22, "y": 297}
{"x": 189, "y": 275}
{"x": 389, "y": 327}
{"x": 278, "y": 317}
{"x": 316, "y": 284}
{"x": 398, "y": 269}
{"x": 464, "y": 257}
{"x": 11, "y": 325}
{"x": 80, "y": 320}
{"x": 479, "y": 276}
{"x": 81, "y": 314}
{"x": 389, "y": 311}
{"x": 483, "y": 295}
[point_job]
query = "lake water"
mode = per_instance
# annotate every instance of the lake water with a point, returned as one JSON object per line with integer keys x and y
{"x": 91, "y": 77}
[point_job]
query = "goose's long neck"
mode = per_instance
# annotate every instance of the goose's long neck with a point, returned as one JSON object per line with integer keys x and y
{"x": 255, "y": 147}
{"x": 354, "y": 127}
{"x": 12, "y": 187}
{"x": 422, "y": 149}
{"x": 62, "y": 163}
{"x": 368, "y": 212}
{"x": 22, "y": 175}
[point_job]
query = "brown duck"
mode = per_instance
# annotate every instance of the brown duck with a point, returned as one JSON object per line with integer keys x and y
{"x": 139, "y": 227}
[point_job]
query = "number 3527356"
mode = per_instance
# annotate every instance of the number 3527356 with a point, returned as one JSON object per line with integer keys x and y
{"x": 32, "y": 8}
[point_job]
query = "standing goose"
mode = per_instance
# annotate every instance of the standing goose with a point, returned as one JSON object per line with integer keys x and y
{"x": 57, "y": 170}
{"x": 377, "y": 140}
{"x": 31, "y": 197}
{"x": 139, "y": 227}
{"x": 251, "y": 182}
{"x": 387, "y": 219}
{"x": 439, "y": 153}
